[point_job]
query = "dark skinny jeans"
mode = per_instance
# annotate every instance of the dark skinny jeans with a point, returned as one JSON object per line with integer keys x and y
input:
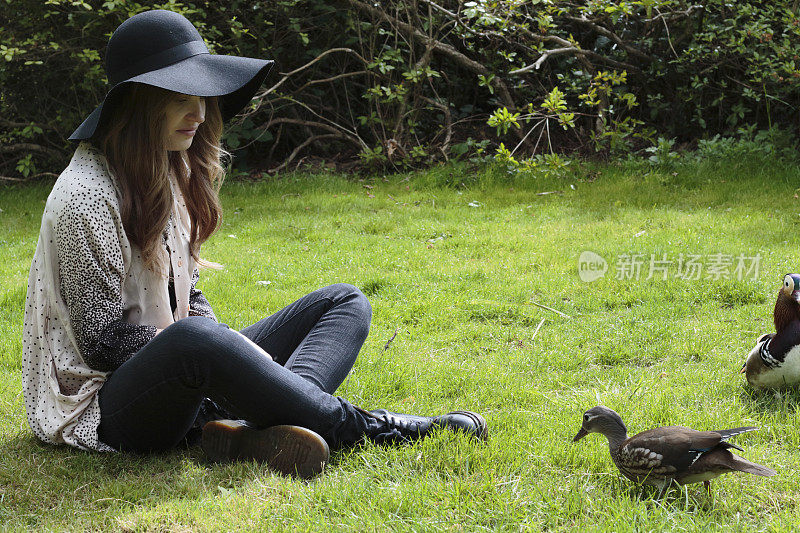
{"x": 152, "y": 400}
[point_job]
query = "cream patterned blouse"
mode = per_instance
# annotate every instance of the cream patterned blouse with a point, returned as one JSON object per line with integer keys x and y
{"x": 91, "y": 303}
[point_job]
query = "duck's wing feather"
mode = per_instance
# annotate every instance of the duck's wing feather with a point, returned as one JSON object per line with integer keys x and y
{"x": 639, "y": 462}
{"x": 678, "y": 446}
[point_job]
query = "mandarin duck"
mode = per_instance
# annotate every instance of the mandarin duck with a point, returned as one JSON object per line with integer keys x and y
{"x": 673, "y": 453}
{"x": 775, "y": 360}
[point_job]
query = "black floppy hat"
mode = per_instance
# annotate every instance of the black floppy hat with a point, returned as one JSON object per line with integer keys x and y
{"x": 163, "y": 49}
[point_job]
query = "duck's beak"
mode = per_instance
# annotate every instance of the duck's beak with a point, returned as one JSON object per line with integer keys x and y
{"x": 744, "y": 367}
{"x": 581, "y": 433}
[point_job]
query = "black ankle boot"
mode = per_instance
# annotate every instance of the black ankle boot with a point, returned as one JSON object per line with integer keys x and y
{"x": 290, "y": 450}
{"x": 388, "y": 427}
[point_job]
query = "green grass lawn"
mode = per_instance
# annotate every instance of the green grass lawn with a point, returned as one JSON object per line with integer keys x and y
{"x": 455, "y": 261}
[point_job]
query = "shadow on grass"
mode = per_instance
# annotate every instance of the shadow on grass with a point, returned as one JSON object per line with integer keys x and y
{"x": 771, "y": 401}
{"x": 689, "y": 498}
{"x": 686, "y": 498}
{"x": 42, "y": 485}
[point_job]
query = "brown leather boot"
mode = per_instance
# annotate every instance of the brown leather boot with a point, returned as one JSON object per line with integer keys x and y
{"x": 290, "y": 450}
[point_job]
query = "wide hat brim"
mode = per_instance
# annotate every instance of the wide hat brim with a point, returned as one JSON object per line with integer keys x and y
{"x": 233, "y": 79}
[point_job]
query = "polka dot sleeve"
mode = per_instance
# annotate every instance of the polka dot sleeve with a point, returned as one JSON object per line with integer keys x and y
{"x": 198, "y": 305}
{"x": 91, "y": 270}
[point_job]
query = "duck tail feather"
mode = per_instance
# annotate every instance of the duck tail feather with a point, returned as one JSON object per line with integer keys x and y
{"x": 743, "y": 465}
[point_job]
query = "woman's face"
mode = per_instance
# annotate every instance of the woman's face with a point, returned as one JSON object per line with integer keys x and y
{"x": 184, "y": 114}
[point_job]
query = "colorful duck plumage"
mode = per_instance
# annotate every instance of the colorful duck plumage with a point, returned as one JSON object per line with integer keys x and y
{"x": 775, "y": 360}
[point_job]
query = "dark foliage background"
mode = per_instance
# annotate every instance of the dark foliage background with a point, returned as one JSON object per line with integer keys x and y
{"x": 403, "y": 83}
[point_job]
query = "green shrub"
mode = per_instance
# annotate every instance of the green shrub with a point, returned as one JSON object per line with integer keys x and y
{"x": 402, "y": 84}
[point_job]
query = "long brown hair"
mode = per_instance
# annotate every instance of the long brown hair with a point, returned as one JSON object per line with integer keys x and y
{"x": 133, "y": 141}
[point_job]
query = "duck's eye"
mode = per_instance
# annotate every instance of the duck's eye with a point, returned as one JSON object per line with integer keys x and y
{"x": 585, "y": 418}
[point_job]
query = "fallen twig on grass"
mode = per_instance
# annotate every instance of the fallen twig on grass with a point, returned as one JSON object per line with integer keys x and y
{"x": 493, "y": 302}
{"x": 537, "y": 329}
{"x": 556, "y": 311}
{"x": 386, "y": 346}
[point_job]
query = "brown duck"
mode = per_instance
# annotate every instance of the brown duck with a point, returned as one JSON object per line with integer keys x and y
{"x": 673, "y": 453}
{"x": 775, "y": 360}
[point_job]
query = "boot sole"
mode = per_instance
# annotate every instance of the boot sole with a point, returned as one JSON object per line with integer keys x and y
{"x": 289, "y": 450}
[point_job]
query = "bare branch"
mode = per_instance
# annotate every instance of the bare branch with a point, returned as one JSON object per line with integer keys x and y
{"x": 582, "y": 20}
{"x": 423, "y": 62}
{"x": 30, "y": 147}
{"x": 439, "y": 8}
{"x": 33, "y": 177}
{"x": 352, "y": 133}
{"x": 544, "y": 56}
{"x": 568, "y": 47}
{"x": 302, "y": 145}
{"x": 565, "y": 45}
{"x": 442, "y": 48}
{"x": 312, "y": 124}
{"x": 533, "y": 36}
{"x": 287, "y": 75}
{"x": 669, "y": 38}
{"x": 10, "y": 124}
{"x": 577, "y": 52}
{"x": 673, "y": 15}
{"x": 529, "y": 132}
{"x": 275, "y": 143}
{"x": 332, "y": 78}
{"x": 448, "y": 118}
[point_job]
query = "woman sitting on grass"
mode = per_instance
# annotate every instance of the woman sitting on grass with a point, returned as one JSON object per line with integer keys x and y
{"x": 121, "y": 349}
